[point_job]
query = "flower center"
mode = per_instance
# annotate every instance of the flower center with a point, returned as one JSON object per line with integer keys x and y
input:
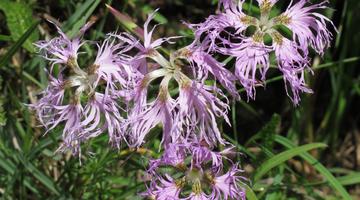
{"x": 282, "y": 19}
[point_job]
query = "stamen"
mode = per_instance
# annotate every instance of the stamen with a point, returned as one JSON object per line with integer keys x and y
{"x": 180, "y": 183}
{"x": 265, "y": 7}
{"x": 248, "y": 20}
{"x": 92, "y": 68}
{"x": 277, "y": 38}
{"x": 258, "y": 37}
{"x": 196, "y": 188}
{"x": 282, "y": 19}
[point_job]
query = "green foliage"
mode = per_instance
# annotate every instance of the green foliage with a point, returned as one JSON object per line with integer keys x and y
{"x": 22, "y": 40}
{"x": 2, "y": 111}
{"x": 282, "y": 157}
{"x": 19, "y": 18}
{"x": 318, "y": 166}
{"x": 79, "y": 18}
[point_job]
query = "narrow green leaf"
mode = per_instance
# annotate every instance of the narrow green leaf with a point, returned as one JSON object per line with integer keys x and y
{"x": 351, "y": 179}
{"x": 282, "y": 157}
{"x": 44, "y": 179}
{"x": 344, "y": 61}
{"x": 2, "y": 110}
{"x": 79, "y": 12}
{"x": 11, "y": 169}
{"x": 17, "y": 45}
{"x": 127, "y": 22}
{"x": 82, "y": 21}
{"x": 19, "y": 19}
{"x": 32, "y": 79}
{"x": 6, "y": 165}
{"x": 334, "y": 183}
{"x": 158, "y": 17}
{"x": 250, "y": 194}
{"x": 5, "y": 38}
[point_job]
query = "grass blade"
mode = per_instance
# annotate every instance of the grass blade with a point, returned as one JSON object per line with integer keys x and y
{"x": 282, "y": 157}
{"x": 77, "y": 15}
{"x": 127, "y": 22}
{"x": 18, "y": 19}
{"x": 81, "y": 22}
{"x": 18, "y": 44}
{"x": 334, "y": 183}
{"x": 351, "y": 179}
{"x": 45, "y": 180}
{"x": 5, "y": 38}
{"x": 250, "y": 194}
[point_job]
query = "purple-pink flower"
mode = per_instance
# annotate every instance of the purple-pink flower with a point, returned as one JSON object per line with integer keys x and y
{"x": 199, "y": 109}
{"x": 168, "y": 189}
{"x": 85, "y": 98}
{"x": 62, "y": 49}
{"x": 252, "y": 53}
{"x": 309, "y": 27}
{"x": 158, "y": 111}
{"x": 226, "y": 186}
{"x": 115, "y": 94}
{"x": 200, "y": 173}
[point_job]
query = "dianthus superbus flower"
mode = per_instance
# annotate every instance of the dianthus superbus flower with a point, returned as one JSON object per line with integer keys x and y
{"x": 309, "y": 27}
{"x": 226, "y": 186}
{"x": 252, "y": 54}
{"x": 158, "y": 111}
{"x": 199, "y": 108}
{"x": 168, "y": 189}
{"x": 85, "y": 98}
{"x": 62, "y": 49}
{"x": 200, "y": 173}
{"x": 203, "y": 65}
{"x": 115, "y": 94}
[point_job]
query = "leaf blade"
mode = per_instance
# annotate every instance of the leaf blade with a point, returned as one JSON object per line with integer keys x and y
{"x": 19, "y": 18}
{"x": 18, "y": 44}
{"x": 334, "y": 183}
{"x": 282, "y": 157}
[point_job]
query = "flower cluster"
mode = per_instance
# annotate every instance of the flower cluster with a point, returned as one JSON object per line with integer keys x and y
{"x": 251, "y": 40}
{"x": 132, "y": 87}
{"x": 192, "y": 171}
{"x": 85, "y": 99}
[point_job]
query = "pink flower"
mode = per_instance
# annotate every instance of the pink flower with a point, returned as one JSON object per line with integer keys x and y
{"x": 149, "y": 48}
{"x": 52, "y": 96}
{"x": 102, "y": 114}
{"x": 236, "y": 18}
{"x": 308, "y": 26}
{"x": 226, "y": 186}
{"x": 252, "y": 54}
{"x": 158, "y": 111}
{"x": 199, "y": 167}
{"x": 168, "y": 189}
{"x": 148, "y": 43}
{"x": 111, "y": 66}
{"x": 252, "y": 59}
{"x": 60, "y": 49}
{"x": 174, "y": 155}
{"x": 292, "y": 64}
{"x": 198, "y": 196}
{"x": 203, "y": 63}
{"x": 199, "y": 109}
{"x": 71, "y": 116}
{"x": 202, "y": 154}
